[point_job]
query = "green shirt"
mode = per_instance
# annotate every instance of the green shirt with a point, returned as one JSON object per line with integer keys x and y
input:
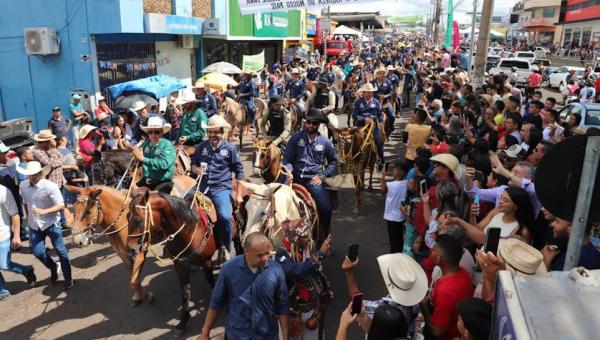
{"x": 159, "y": 160}
{"x": 193, "y": 125}
{"x": 76, "y": 107}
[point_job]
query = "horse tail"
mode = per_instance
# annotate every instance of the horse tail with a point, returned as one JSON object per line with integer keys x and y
{"x": 181, "y": 209}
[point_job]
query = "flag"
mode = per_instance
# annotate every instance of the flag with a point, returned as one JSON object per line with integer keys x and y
{"x": 455, "y": 36}
{"x": 448, "y": 38}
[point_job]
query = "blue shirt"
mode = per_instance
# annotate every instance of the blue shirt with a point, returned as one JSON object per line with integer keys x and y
{"x": 222, "y": 162}
{"x": 383, "y": 89}
{"x": 208, "y": 104}
{"x": 364, "y": 109}
{"x": 393, "y": 78}
{"x": 297, "y": 88}
{"x": 253, "y": 301}
{"x": 246, "y": 89}
{"x": 306, "y": 158}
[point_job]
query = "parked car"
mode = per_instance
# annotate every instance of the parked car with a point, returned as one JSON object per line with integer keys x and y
{"x": 16, "y": 133}
{"x": 559, "y": 76}
{"x": 525, "y": 55}
{"x": 540, "y": 62}
{"x": 541, "y": 52}
{"x": 590, "y": 114}
{"x": 492, "y": 61}
{"x": 524, "y": 69}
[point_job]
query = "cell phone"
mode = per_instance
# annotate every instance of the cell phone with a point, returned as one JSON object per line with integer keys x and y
{"x": 404, "y": 136}
{"x": 423, "y": 185}
{"x": 476, "y": 202}
{"x": 386, "y": 166}
{"x": 353, "y": 252}
{"x": 357, "y": 300}
{"x": 492, "y": 240}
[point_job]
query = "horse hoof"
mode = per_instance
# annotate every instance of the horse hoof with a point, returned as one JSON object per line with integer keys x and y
{"x": 135, "y": 303}
{"x": 149, "y": 297}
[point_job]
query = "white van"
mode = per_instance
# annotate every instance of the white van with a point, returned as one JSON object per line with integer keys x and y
{"x": 526, "y": 55}
{"x": 505, "y": 66}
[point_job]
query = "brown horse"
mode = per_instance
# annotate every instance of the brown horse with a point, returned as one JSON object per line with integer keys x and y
{"x": 268, "y": 162}
{"x": 236, "y": 115}
{"x": 358, "y": 152}
{"x": 160, "y": 219}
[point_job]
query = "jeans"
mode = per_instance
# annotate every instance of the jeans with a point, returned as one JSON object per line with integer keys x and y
{"x": 410, "y": 234}
{"x": 223, "y": 228}
{"x": 8, "y": 265}
{"x": 324, "y": 207}
{"x": 396, "y": 236}
{"x": 38, "y": 248}
{"x": 251, "y": 114}
{"x": 378, "y": 142}
{"x": 391, "y": 117}
{"x": 418, "y": 98}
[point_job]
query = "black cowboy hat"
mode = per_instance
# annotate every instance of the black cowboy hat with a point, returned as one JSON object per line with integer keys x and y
{"x": 315, "y": 115}
{"x": 276, "y": 99}
{"x": 323, "y": 80}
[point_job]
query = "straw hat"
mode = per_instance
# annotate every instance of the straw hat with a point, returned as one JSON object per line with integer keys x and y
{"x": 521, "y": 257}
{"x": 217, "y": 122}
{"x": 44, "y": 136}
{"x": 391, "y": 68}
{"x": 137, "y": 106}
{"x": 32, "y": 168}
{"x": 368, "y": 87}
{"x": 199, "y": 84}
{"x": 85, "y": 130}
{"x": 404, "y": 278}
{"x": 246, "y": 72}
{"x": 381, "y": 69}
{"x": 157, "y": 123}
{"x": 451, "y": 162}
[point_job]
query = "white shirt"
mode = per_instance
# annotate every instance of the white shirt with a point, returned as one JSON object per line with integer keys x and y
{"x": 395, "y": 195}
{"x": 506, "y": 229}
{"x": 587, "y": 94}
{"x": 8, "y": 208}
{"x": 43, "y": 195}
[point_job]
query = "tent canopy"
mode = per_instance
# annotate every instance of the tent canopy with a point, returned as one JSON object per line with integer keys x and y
{"x": 345, "y": 30}
{"x": 159, "y": 86}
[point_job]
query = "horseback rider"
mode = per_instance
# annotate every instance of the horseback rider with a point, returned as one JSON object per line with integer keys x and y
{"x": 157, "y": 156}
{"x": 246, "y": 93}
{"x": 192, "y": 129}
{"x": 223, "y": 160}
{"x": 366, "y": 110}
{"x": 323, "y": 99}
{"x": 279, "y": 120}
{"x": 206, "y": 101}
{"x": 311, "y": 157}
{"x": 385, "y": 90}
{"x": 296, "y": 88}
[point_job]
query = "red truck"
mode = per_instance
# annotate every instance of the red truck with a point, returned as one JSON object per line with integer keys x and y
{"x": 335, "y": 47}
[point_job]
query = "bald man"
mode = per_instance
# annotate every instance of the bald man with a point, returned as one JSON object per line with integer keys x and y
{"x": 252, "y": 287}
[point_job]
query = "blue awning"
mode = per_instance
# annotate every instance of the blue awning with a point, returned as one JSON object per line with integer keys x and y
{"x": 159, "y": 86}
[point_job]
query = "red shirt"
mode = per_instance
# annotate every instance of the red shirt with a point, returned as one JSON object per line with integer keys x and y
{"x": 441, "y": 148}
{"x": 447, "y": 292}
{"x": 534, "y": 80}
{"x": 86, "y": 144}
{"x": 597, "y": 85}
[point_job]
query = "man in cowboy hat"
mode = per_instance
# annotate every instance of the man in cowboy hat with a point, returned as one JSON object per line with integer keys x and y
{"x": 366, "y": 110}
{"x": 46, "y": 153}
{"x": 222, "y": 160}
{"x": 79, "y": 116}
{"x": 323, "y": 99}
{"x": 313, "y": 72}
{"x": 44, "y": 202}
{"x": 385, "y": 91}
{"x": 139, "y": 109}
{"x": 157, "y": 155}
{"x": 246, "y": 92}
{"x": 192, "y": 129}
{"x": 279, "y": 121}
{"x": 206, "y": 101}
{"x": 311, "y": 157}
{"x": 295, "y": 89}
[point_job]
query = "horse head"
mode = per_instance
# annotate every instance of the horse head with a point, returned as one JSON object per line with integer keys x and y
{"x": 262, "y": 155}
{"x": 86, "y": 213}
{"x": 138, "y": 209}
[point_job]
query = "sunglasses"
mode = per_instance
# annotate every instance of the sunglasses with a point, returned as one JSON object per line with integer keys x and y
{"x": 155, "y": 132}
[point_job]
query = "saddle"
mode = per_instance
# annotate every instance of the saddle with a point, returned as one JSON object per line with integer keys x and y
{"x": 206, "y": 208}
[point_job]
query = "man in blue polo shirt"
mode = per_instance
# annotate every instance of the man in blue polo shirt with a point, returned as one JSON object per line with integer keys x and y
{"x": 222, "y": 161}
{"x": 206, "y": 101}
{"x": 311, "y": 157}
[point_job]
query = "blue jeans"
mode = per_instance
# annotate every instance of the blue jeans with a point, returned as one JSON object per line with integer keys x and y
{"x": 378, "y": 142}
{"x": 223, "y": 229}
{"x": 251, "y": 115}
{"x": 324, "y": 208}
{"x": 391, "y": 116}
{"x": 38, "y": 248}
{"x": 8, "y": 265}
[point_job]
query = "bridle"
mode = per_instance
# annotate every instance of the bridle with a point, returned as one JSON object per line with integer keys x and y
{"x": 264, "y": 169}
{"x": 97, "y": 219}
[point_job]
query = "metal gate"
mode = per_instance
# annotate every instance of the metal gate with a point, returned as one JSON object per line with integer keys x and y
{"x": 121, "y": 62}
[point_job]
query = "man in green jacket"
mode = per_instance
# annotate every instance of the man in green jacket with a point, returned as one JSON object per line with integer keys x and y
{"x": 192, "y": 129}
{"x": 157, "y": 156}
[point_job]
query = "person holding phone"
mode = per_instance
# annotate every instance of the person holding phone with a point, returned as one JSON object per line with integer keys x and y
{"x": 395, "y": 192}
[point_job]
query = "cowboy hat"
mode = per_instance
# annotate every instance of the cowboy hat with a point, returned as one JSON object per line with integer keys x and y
{"x": 323, "y": 80}
{"x": 155, "y": 123}
{"x": 515, "y": 151}
{"x": 32, "y": 168}
{"x": 85, "y": 130}
{"x": 187, "y": 97}
{"x": 521, "y": 257}
{"x": 137, "y": 106}
{"x": 44, "y": 136}
{"x": 199, "y": 85}
{"x": 315, "y": 115}
{"x": 75, "y": 96}
{"x": 391, "y": 68}
{"x": 217, "y": 121}
{"x": 451, "y": 162}
{"x": 368, "y": 87}
{"x": 381, "y": 69}
{"x": 404, "y": 278}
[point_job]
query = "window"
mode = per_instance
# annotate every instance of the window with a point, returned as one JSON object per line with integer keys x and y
{"x": 567, "y": 39}
{"x": 514, "y": 63}
{"x": 586, "y": 36}
{"x": 549, "y": 12}
{"x": 576, "y": 36}
{"x": 592, "y": 118}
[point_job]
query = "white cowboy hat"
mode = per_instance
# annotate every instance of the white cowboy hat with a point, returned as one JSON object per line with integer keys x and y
{"x": 381, "y": 69}
{"x": 217, "y": 121}
{"x": 137, "y": 106}
{"x": 101, "y": 98}
{"x": 521, "y": 257}
{"x": 85, "y": 130}
{"x": 155, "y": 123}
{"x": 4, "y": 148}
{"x": 368, "y": 87}
{"x": 32, "y": 168}
{"x": 44, "y": 136}
{"x": 187, "y": 97}
{"x": 199, "y": 85}
{"x": 76, "y": 96}
{"x": 247, "y": 72}
{"x": 404, "y": 278}
{"x": 451, "y": 162}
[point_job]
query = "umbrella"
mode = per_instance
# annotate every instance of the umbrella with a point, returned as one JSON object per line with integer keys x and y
{"x": 125, "y": 102}
{"x": 218, "y": 80}
{"x": 222, "y": 67}
{"x": 296, "y": 52}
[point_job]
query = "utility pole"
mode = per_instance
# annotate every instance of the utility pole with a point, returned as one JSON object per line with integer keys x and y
{"x": 483, "y": 41}
{"x": 471, "y": 49}
{"x": 436, "y": 22}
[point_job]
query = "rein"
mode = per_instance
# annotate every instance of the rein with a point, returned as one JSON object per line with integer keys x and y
{"x": 266, "y": 168}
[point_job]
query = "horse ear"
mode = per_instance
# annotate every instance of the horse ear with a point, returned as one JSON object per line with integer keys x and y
{"x": 95, "y": 193}
{"x": 74, "y": 189}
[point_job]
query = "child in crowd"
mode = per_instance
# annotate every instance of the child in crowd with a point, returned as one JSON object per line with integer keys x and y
{"x": 395, "y": 192}
{"x": 408, "y": 208}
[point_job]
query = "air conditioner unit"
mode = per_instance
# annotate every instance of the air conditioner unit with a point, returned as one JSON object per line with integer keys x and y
{"x": 41, "y": 40}
{"x": 185, "y": 41}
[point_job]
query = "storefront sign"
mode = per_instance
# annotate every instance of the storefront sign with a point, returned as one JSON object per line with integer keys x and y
{"x": 311, "y": 24}
{"x": 253, "y": 63}
{"x": 273, "y": 24}
{"x": 210, "y": 26}
{"x": 173, "y": 24}
{"x": 264, "y": 6}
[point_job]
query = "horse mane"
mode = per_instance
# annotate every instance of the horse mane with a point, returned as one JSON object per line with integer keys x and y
{"x": 111, "y": 190}
{"x": 181, "y": 209}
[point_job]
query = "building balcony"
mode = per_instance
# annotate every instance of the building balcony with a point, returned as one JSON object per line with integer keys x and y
{"x": 538, "y": 22}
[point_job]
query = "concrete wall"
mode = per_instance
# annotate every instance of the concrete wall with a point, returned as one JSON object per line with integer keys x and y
{"x": 174, "y": 61}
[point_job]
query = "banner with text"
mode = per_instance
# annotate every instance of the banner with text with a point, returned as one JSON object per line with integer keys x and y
{"x": 253, "y": 63}
{"x": 263, "y": 6}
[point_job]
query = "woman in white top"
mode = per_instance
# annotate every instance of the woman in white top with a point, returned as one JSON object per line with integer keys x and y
{"x": 514, "y": 216}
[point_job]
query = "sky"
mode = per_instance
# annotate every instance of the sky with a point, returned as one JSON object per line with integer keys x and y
{"x": 408, "y": 7}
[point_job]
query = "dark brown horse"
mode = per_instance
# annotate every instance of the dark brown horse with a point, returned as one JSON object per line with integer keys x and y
{"x": 268, "y": 162}
{"x": 160, "y": 219}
